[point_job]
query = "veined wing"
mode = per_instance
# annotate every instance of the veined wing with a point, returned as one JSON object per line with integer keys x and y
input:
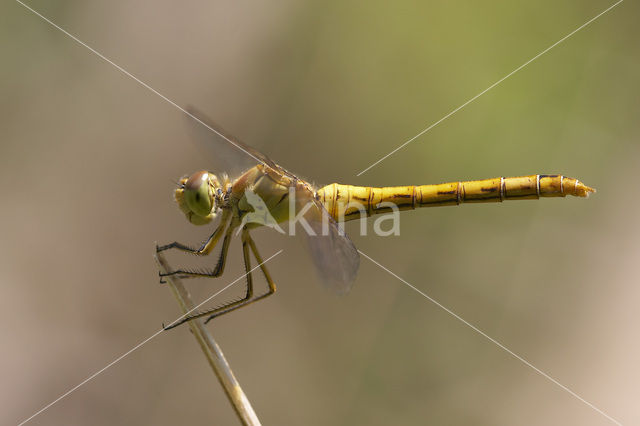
{"x": 228, "y": 154}
{"x": 333, "y": 253}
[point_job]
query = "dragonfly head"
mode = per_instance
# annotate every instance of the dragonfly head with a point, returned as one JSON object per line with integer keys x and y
{"x": 197, "y": 196}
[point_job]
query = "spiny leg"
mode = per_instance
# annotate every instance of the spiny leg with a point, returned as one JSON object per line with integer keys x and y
{"x": 208, "y": 245}
{"x": 265, "y": 272}
{"x": 248, "y": 293}
{"x": 222, "y": 260}
{"x": 247, "y": 243}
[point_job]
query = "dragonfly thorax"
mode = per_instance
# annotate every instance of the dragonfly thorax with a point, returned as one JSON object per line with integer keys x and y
{"x": 199, "y": 197}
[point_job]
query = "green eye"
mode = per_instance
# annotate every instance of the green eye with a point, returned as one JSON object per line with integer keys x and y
{"x": 196, "y": 194}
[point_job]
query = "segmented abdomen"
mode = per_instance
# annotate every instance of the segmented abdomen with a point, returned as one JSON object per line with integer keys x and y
{"x": 352, "y": 202}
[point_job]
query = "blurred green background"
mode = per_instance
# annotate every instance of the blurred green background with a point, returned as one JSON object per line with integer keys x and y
{"x": 88, "y": 157}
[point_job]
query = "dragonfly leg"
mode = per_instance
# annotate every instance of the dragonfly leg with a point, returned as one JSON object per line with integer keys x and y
{"x": 222, "y": 260}
{"x": 247, "y": 244}
{"x": 208, "y": 245}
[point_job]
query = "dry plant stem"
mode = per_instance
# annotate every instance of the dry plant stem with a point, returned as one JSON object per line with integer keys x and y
{"x": 211, "y": 350}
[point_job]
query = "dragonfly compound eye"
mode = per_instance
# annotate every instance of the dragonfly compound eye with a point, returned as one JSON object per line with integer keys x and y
{"x": 198, "y": 194}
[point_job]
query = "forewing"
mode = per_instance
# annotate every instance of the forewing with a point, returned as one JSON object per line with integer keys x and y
{"x": 226, "y": 153}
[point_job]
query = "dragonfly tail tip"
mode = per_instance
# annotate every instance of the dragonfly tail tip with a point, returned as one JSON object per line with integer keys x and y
{"x": 583, "y": 190}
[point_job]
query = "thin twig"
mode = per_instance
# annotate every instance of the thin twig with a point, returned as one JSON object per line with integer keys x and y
{"x": 211, "y": 350}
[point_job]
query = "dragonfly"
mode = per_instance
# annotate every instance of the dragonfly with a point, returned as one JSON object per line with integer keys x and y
{"x": 265, "y": 194}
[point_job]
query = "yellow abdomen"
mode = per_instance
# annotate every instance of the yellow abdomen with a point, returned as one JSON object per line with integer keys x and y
{"x": 347, "y": 202}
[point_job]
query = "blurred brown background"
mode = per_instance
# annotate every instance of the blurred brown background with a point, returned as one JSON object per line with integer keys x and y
{"x": 88, "y": 157}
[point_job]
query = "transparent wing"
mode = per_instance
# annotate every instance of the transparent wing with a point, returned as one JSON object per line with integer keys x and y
{"x": 226, "y": 153}
{"x": 336, "y": 258}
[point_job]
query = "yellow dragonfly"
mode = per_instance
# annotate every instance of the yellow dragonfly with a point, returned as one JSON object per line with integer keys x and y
{"x": 265, "y": 194}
